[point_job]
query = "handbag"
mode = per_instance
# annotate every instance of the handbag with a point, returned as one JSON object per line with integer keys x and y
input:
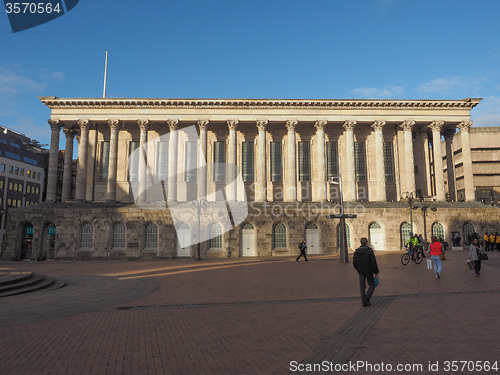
{"x": 483, "y": 256}
{"x": 376, "y": 281}
{"x": 469, "y": 265}
{"x": 442, "y": 256}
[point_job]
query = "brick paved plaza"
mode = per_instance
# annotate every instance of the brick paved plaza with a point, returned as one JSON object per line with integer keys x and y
{"x": 251, "y": 316}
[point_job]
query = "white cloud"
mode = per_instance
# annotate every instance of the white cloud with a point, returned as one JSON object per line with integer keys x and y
{"x": 12, "y": 82}
{"x": 487, "y": 112}
{"x": 443, "y": 85}
{"x": 378, "y": 93}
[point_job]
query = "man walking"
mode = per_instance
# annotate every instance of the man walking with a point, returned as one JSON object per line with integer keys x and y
{"x": 302, "y": 248}
{"x": 365, "y": 263}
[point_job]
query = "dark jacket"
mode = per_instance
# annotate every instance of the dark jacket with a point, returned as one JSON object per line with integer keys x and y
{"x": 364, "y": 260}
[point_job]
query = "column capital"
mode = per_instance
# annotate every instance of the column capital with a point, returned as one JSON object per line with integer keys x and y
{"x": 262, "y": 125}
{"x": 83, "y": 124}
{"x": 114, "y": 124}
{"x": 465, "y": 126}
{"x": 54, "y": 124}
{"x": 203, "y": 124}
{"x": 232, "y": 124}
{"x": 408, "y": 125}
{"x": 173, "y": 124}
{"x": 70, "y": 133}
{"x": 378, "y": 125}
{"x": 291, "y": 124}
{"x": 143, "y": 124}
{"x": 350, "y": 124}
{"x": 320, "y": 124}
{"x": 436, "y": 126}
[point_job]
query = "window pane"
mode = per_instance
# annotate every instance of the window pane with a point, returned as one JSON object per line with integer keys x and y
{"x": 190, "y": 161}
{"x": 151, "y": 236}
{"x": 388, "y": 161}
{"x": 405, "y": 233}
{"x": 359, "y": 148}
{"x": 332, "y": 161}
{"x": 119, "y": 236}
{"x": 86, "y": 236}
{"x": 216, "y": 236}
{"x": 104, "y": 161}
{"x": 276, "y": 161}
{"x": 219, "y": 162}
{"x": 279, "y": 239}
{"x": 133, "y": 168}
{"x": 304, "y": 157}
{"x": 162, "y": 163}
{"x": 247, "y": 161}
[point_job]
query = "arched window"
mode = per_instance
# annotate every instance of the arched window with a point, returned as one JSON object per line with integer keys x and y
{"x": 216, "y": 236}
{"x": 151, "y": 236}
{"x": 347, "y": 235}
{"x": 279, "y": 236}
{"x": 119, "y": 235}
{"x": 182, "y": 226}
{"x": 469, "y": 230}
{"x": 405, "y": 231}
{"x": 375, "y": 226}
{"x": 311, "y": 226}
{"x": 86, "y": 236}
{"x": 437, "y": 230}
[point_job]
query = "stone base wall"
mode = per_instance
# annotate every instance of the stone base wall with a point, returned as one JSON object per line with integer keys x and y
{"x": 263, "y": 217}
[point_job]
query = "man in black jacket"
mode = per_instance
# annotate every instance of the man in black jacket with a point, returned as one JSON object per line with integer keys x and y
{"x": 365, "y": 263}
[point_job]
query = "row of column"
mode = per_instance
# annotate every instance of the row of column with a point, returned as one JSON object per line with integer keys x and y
{"x": 261, "y": 180}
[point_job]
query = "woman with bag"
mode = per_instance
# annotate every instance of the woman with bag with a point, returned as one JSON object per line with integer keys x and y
{"x": 436, "y": 253}
{"x": 475, "y": 253}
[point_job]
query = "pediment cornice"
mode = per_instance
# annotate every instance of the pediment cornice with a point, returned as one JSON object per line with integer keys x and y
{"x": 130, "y": 103}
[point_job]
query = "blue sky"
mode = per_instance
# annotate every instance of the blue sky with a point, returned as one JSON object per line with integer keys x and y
{"x": 365, "y": 49}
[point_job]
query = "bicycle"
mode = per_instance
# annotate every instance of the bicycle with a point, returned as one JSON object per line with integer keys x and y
{"x": 418, "y": 258}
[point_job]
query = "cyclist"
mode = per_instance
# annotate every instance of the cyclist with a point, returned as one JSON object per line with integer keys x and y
{"x": 413, "y": 244}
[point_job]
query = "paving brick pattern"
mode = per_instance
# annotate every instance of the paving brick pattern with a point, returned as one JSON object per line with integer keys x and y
{"x": 248, "y": 316}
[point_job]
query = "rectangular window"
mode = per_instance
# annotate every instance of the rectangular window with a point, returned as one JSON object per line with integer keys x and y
{"x": 37, "y": 190}
{"x": 11, "y": 169}
{"x": 247, "y": 161}
{"x": 133, "y": 167}
{"x": 388, "y": 161}
{"x": 162, "y": 161}
{"x": 1, "y": 184}
{"x": 9, "y": 202}
{"x": 304, "y": 158}
{"x": 190, "y": 161}
{"x": 16, "y": 170}
{"x": 276, "y": 161}
{"x": 219, "y": 162}
{"x": 28, "y": 173}
{"x": 359, "y": 148}
{"x": 21, "y": 172}
{"x": 11, "y": 185}
{"x": 2, "y": 168}
{"x": 38, "y": 176}
{"x": 104, "y": 168}
{"x": 332, "y": 160}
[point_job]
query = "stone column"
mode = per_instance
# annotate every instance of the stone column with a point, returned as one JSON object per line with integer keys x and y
{"x": 291, "y": 164}
{"x": 350, "y": 192}
{"x": 261, "y": 185}
{"x": 436, "y": 127}
{"x": 202, "y": 160}
{"x": 467, "y": 160}
{"x": 81, "y": 171}
{"x": 450, "y": 164}
{"x": 321, "y": 162}
{"x": 114, "y": 128}
{"x": 378, "y": 126}
{"x": 143, "y": 159}
{"x": 231, "y": 161}
{"x": 409, "y": 158}
{"x": 68, "y": 164}
{"x": 172, "y": 160}
{"x": 55, "y": 127}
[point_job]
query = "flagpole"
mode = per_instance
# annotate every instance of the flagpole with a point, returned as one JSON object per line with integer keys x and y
{"x": 105, "y": 75}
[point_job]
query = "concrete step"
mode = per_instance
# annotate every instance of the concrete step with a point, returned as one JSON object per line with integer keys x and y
{"x": 26, "y": 282}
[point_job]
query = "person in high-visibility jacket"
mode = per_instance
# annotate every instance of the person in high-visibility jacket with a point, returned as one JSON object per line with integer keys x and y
{"x": 413, "y": 244}
{"x": 492, "y": 241}
{"x": 486, "y": 242}
{"x": 498, "y": 241}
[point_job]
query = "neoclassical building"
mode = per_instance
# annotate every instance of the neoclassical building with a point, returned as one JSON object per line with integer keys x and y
{"x": 286, "y": 153}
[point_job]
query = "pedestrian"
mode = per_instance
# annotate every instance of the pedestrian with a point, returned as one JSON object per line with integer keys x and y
{"x": 498, "y": 241}
{"x": 436, "y": 249}
{"x": 492, "y": 241}
{"x": 302, "y": 248}
{"x": 365, "y": 263}
{"x": 487, "y": 241}
{"x": 475, "y": 250}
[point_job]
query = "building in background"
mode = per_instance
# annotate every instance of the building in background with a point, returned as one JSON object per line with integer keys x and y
{"x": 23, "y": 163}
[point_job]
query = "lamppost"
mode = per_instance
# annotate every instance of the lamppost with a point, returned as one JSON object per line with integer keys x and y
{"x": 424, "y": 209}
{"x": 199, "y": 204}
{"x": 408, "y": 196}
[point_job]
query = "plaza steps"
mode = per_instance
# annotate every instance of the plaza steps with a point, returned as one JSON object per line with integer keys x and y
{"x": 19, "y": 282}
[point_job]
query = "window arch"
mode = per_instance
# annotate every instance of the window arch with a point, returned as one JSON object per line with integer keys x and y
{"x": 469, "y": 230}
{"x": 279, "y": 236}
{"x": 347, "y": 235}
{"x": 405, "y": 231}
{"x": 86, "y": 236}
{"x": 216, "y": 236}
{"x": 375, "y": 226}
{"x": 437, "y": 230}
{"x": 248, "y": 226}
{"x": 119, "y": 235}
{"x": 311, "y": 226}
{"x": 182, "y": 226}
{"x": 151, "y": 241}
